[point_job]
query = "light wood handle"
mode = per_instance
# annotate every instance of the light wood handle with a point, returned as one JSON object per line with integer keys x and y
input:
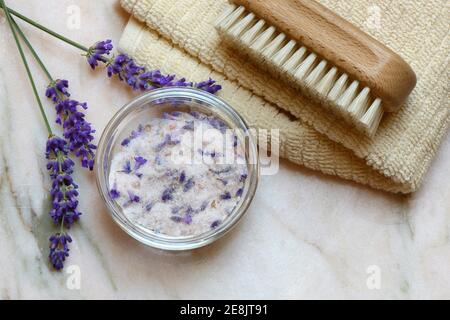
{"x": 354, "y": 52}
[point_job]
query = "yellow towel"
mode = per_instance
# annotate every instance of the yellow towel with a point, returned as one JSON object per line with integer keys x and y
{"x": 179, "y": 37}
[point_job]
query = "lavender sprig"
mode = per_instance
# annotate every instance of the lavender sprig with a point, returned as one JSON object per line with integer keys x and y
{"x": 60, "y": 166}
{"x": 64, "y": 198}
{"x": 77, "y": 131}
{"x": 136, "y": 76}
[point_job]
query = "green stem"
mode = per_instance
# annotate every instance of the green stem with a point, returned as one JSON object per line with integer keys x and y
{"x": 24, "y": 59}
{"x": 33, "y": 52}
{"x": 43, "y": 28}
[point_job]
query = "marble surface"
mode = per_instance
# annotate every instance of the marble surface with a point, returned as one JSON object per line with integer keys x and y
{"x": 306, "y": 235}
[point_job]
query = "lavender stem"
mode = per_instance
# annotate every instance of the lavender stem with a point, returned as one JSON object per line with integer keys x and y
{"x": 45, "y": 29}
{"x": 27, "y": 68}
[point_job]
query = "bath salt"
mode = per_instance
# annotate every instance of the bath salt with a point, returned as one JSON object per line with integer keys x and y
{"x": 180, "y": 175}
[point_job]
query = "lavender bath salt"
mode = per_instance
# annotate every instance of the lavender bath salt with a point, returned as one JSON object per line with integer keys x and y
{"x": 179, "y": 175}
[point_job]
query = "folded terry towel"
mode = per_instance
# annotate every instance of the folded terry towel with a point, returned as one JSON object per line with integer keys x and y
{"x": 178, "y": 36}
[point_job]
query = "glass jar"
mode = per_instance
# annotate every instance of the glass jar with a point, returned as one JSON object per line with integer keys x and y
{"x": 154, "y": 104}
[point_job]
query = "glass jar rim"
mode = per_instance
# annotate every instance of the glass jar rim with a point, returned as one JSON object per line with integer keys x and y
{"x": 142, "y": 234}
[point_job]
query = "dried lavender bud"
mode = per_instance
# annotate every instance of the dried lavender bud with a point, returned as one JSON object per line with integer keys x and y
{"x": 187, "y": 218}
{"x": 134, "y": 134}
{"x": 149, "y": 207}
{"x": 114, "y": 193}
{"x": 168, "y": 194}
{"x": 215, "y": 224}
{"x": 239, "y": 192}
{"x": 132, "y": 197}
{"x": 188, "y": 185}
{"x": 176, "y": 219}
{"x": 209, "y": 86}
{"x": 182, "y": 177}
{"x": 139, "y": 162}
{"x": 225, "y": 196}
{"x": 127, "y": 167}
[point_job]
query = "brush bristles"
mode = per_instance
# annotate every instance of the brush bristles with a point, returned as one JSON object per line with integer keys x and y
{"x": 289, "y": 60}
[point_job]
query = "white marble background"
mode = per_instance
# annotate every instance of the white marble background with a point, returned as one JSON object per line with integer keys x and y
{"x": 306, "y": 236}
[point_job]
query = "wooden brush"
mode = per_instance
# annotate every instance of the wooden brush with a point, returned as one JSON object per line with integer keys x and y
{"x": 327, "y": 58}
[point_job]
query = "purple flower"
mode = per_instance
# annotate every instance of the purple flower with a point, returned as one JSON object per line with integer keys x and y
{"x": 114, "y": 193}
{"x": 176, "y": 218}
{"x": 187, "y": 218}
{"x": 182, "y": 177}
{"x": 209, "y": 86}
{"x": 64, "y": 197}
{"x": 126, "y": 167}
{"x": 95, "y": 52}
{"x": 134, "y": 134}
{"x": 132, "y": 197}
{"x": 139, "y": 162}
{"x": 188, "y": 185}
{"x": 59, "y": 249}
{"x": 64, "y": 191}
{"x": 168, "y": 194}
{"x": 76, "y": 130}
{"x": 225, "y": 196}
{"x": 239, "y": 192}
{"x": 215, "y": 224}
{"x": 57, "y": 90}
{"x": 149, "y": 206}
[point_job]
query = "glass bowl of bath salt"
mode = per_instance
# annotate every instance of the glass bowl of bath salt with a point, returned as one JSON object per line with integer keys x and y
{"x": 177, "y": 168}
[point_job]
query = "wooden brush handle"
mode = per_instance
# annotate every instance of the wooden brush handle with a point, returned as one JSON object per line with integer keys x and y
{"x": 354, "y": 52}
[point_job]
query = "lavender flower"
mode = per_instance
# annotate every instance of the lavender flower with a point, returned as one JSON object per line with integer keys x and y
{"x": 134, "y": 134}
{"x": 57, "y": 89}
{"x": 209, "y": 86}
{"x": 187, "y": 218}
{"x": 126, "y": 167}
{"x": 136, "y": 76}
{"x": 95, "y": 53}
{"x": 176, "y": 218}
{"x": 64, "y": 198}
{"x": 59, "y": 249}
{"x": 76, "y": 129}
{"x": 149, "y": 206}
{"x": 182, "y": 176}
{"x": 188, "y": 185}
{"x": 133, "y": 197}
{"x": 225, "y": 196}
{"x": 139, "y": 162}
{"x": 64, "y": 191}
{"x": 167, "y": 194}
{"x": 215, "y": 224}
{"x": 114, "y": 193}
